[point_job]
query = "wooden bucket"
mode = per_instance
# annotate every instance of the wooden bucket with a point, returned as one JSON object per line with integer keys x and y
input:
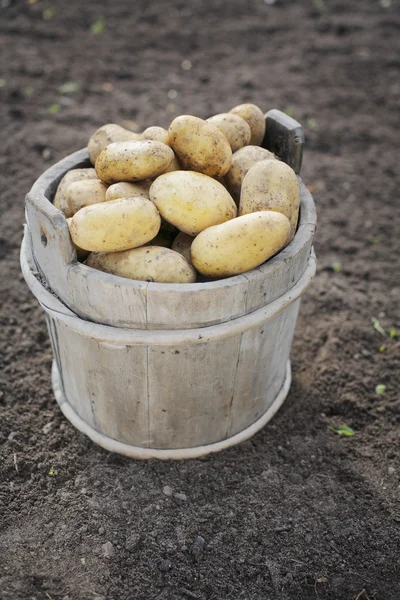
{"x": 159, "y": 370}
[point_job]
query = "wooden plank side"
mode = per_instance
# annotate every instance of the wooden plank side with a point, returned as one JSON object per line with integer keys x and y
{"x": 106, "y": 385}
{"x": 284, "y": 137}
{"x": 195, "y": 305}
{"x": 190, "y": 392}
{"x": 264, "y": 352}
{"x": 285, "y": 338}
{"x": 73, "y": 356}
{"x": 117, "y": 376}
{"x": 51, "y": 246}
{"x": 103, "y": 298}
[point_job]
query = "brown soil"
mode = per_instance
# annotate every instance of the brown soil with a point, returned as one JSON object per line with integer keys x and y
{"x": 297, "y": 512}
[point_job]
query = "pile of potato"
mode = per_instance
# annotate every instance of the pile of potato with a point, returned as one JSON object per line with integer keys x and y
{"x": 201, "y": 198}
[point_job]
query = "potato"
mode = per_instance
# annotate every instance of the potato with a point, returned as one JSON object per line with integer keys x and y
{"x": 85, "y": 192}
{"x": 254, "y": 117}
{"x": 124, "y": 190}
{"x": 239, "y": 245}
{"x": 150, "y": 263}
{"x": 242, "y": 161}
{"x": 130, "y": 125}
{"x": 116, "y": 225}
{"x": 60, "y": 200}
{"x": 158, "y": 134}
{"x": 133, "y": 161}
{"x": 234, "y": 128}
{"x": 270, "y": 185}
{"x": 105, "y": 135}
{"x": 192, "y": 201}
{"x": 182, "y": 244}
{"x": 200, "y": 146}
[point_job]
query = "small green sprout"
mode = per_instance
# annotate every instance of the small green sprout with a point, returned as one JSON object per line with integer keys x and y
{"x": 377, "y": 326}
{"x": 382, "y": 348}
{"x": 53, "y": 472}
{"x": 69, "y": 87}
{"x": 380, "y": 389}
{"x": 98, "y": 26}
{"x": 54, "y": 108}
{"x": 392, "y": 333}
{"x": 28, "y": 90}
{"x": 312, "y": 124}
{"x": 289, "y": 110}
{"x": 337, "y": 266}
{"x": 48, "y": 13}
{"x": 343, "y": 430}
{"x": 377, "y": 238}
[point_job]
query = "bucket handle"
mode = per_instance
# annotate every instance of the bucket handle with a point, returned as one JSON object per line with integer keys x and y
{"x": 284, "y": 137}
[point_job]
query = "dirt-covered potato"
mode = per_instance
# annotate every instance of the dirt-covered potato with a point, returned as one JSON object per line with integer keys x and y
{"x": 192, "y": 201}
{"x": 255, "y": 119}
{"x": 182, "y": 244}
{"x": 116, "y": 225}
{"x": 85, "y": 192}
{"x": 239, "y": 245}
{"x": 150, "y": 263}
{"x": 133, "y": 161}
{"x": 158, "y": 134}
{"x": 242, "y": 161}
{"x": 200, "y": 146}
{"x": 124, "y": 189}
{"x": 234, "y": 128}
{"x": 270, "y": 185}
{"x": 107, "y": 134}
{"x": 60, "y": 200}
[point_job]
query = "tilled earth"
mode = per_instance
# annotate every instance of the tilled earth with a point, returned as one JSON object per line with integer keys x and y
{"x": 298, "y": 512}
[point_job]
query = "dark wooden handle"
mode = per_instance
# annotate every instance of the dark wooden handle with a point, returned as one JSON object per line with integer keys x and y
{"x": 284, "y": 137}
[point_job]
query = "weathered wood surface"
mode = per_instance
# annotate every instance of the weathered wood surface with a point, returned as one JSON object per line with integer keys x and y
{"x": 284, "y": 137}
{"x": 120, "y": 302}
{"x": 171, "y": 389}
{"x": 144, "y": 453}
{"x": 263, "y": 354}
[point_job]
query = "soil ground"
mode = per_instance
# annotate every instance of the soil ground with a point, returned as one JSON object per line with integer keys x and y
{"x": 297, "y": 512}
